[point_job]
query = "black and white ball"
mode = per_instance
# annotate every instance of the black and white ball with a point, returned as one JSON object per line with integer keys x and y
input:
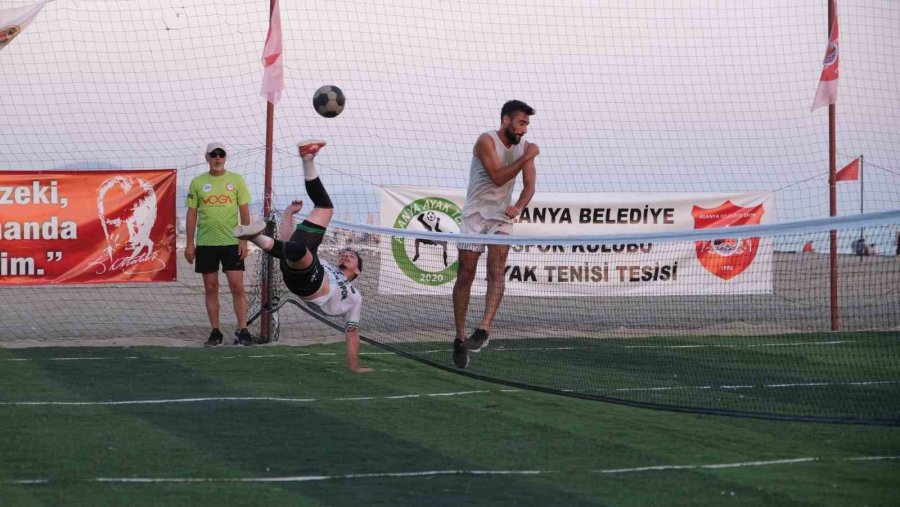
{"x": 329, "y": 101}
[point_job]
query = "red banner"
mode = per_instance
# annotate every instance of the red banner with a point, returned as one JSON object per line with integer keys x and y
{"x": 66, "y": 227}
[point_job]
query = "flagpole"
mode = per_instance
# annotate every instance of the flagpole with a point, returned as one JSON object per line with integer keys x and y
{"x": 832, "y": 194}
{"x": 265, "y": 283}
{"x": 862, "y": 186}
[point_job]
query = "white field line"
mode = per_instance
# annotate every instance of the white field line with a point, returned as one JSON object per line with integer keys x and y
{"x": 409, "y": 395}
{"x": 499, "y": 349}
{"x": 725, "y": 345}
{"x": 766, "y": 386}
{"x": 18, "y": 359}
{"x": 437, "y": 473}
{"x": 713, "y": 466}
{"x": 440, "y": 351}
{"x": 614, "y": 389}
{"x": 691, "y": 346}
{"x": 242, "y": 398}
{"x": 250, "y": 356}
{"x": 872, "y": 458}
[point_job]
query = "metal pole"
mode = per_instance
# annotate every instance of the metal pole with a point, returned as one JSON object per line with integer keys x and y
{"x": 861, "y": 184}
{"x": 266, "y": 285}
{"x": 862, "y": 232}
{"x": 832, "y": 195}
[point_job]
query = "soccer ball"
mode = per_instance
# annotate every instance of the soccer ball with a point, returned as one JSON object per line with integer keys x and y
{"x": 329, "y": 101}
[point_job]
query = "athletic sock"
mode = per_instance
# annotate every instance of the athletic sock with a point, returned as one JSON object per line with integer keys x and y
{"x": 309, "y": 169}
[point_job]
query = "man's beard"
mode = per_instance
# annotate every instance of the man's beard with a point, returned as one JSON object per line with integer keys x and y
{"x": 513, "y": 137}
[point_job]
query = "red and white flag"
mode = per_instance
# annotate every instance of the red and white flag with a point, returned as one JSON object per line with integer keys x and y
{"x": 827, "y": 92}
{"x": 273, "y": 64}
{"x": 13, "y": 21}
{"x": 850, "y": 172}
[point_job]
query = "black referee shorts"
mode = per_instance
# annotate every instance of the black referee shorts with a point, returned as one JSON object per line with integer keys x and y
{"x": 208, "y": 258}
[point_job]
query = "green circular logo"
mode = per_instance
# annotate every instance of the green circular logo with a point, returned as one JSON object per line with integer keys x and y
{"x": 430, "y": 262}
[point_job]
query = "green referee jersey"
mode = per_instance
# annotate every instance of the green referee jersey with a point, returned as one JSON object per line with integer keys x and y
{"x": 216, "y": 199}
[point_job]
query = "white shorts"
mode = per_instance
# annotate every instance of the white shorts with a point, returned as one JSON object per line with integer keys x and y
{"x": 477, "y": 224}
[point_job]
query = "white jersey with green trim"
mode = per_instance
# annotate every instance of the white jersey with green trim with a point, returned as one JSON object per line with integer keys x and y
{"x": 484, "y": 197}
{"x": 342, "y": 298}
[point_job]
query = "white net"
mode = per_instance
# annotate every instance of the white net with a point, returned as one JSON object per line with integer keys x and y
{"x": 630, "y": 96}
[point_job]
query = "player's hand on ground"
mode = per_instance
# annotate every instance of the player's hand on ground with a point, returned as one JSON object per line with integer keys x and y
{"x": 532, "y": 150}
{"x": 242, "y": 249}
{"x": 512, "y": 211}
{"x": 294, "y": 207}
{"x": 189, "y": 252}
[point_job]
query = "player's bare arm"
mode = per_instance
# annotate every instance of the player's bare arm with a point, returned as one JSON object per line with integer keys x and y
{"x": 190, "y": 247}
{"x": 287, "y": 220}
{"x": 352, "y": 339}
{"x": 484, "y": 150}
{"x": 529, "y": 178}
{"x": 244, "y": 211}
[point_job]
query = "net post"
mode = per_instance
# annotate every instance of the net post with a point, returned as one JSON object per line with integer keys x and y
{"x": 862, "y": 187}
{"x": 268, "y": 329}
{"x": 265, "y": 333}
{"x": 832, "y": 195}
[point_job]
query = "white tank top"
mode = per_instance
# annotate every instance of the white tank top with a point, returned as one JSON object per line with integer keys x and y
{"x": 484, "y": 197}
{"x": 342, "y": 299}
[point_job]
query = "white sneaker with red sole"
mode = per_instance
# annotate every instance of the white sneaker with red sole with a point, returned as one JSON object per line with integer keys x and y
{"x": 310, "y": 147}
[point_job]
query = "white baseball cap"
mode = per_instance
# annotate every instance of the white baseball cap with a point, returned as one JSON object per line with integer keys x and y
{"x": 214, "y": 145}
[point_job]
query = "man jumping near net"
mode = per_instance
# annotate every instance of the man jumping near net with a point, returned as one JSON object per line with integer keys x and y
{"x": 305, "y": 274}
{"x": 497, "y": 159}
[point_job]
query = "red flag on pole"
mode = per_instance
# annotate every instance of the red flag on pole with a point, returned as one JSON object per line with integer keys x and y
{"x": 273, "y": 64}
{"x": 849, "y": 173}
{"x": 827, "y": 92}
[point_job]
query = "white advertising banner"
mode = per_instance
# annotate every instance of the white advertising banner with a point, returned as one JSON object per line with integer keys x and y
{"x": 723, "y": 266}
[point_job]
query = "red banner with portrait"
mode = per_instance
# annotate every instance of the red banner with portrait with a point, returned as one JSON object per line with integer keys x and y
{"x": 68, "y": 227}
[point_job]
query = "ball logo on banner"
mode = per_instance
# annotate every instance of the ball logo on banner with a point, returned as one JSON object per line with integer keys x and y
{"x": 729, "y": 257}
{"x": 427, "y": 261}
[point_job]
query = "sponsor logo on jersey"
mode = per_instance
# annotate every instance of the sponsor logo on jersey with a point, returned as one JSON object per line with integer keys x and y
{"x": 217, "y": 200}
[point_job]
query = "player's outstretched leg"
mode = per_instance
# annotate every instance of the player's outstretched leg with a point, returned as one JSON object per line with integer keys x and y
{"x": 292, "y": 251}
{"x": 323, "y": 208}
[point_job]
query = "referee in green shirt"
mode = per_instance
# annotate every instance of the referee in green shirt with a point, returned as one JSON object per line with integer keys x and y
{"x": 214, "y": 201}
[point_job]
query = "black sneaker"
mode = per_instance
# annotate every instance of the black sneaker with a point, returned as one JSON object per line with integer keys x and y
{"x": 460, "y": 354}
{"x": 215, "y": 338}
{"x": 243, "y": 337}
{"x": 478, "y": 340}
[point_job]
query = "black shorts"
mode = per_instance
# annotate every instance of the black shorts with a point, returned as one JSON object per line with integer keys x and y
{"x": 208, "y": 258}
{"x": 305, "y": 282}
